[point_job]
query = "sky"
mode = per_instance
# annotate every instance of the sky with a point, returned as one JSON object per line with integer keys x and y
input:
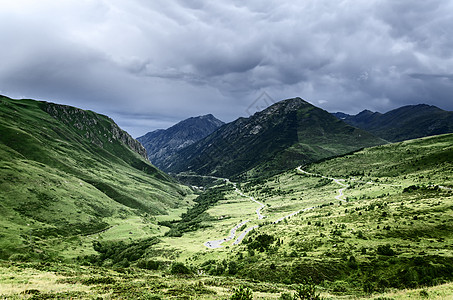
{"x": 149, "y": 64}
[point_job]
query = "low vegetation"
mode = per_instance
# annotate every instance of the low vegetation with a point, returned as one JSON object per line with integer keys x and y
{"x": 373, "y": 224}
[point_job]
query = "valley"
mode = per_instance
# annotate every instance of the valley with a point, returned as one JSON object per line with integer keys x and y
{"x": 86, "y": 216}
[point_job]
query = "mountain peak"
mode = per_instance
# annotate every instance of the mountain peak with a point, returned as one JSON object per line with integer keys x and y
{"x": 281, "y": 108}
{"x": 286, "y": 134}
{"x": 289, "y": 104}
{"x": 161, "y": 144}
{"x": 208, "y": 116}
{"x": 406, "y": 122}
{"x": 366, "y": 112}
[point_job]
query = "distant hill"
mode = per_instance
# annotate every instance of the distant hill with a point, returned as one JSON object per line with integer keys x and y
{"x": 288, "y": 133}
{"x": 404, "y": 123}
{"x": 67, "y": 172}
{"x": 162, "y": 144}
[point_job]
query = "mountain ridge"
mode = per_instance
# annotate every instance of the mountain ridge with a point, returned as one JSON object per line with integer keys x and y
{"x": 162, "y": 143}
{"x": 403, "y": 123}
{"x": 67, "y": 172}
{"x": 289, "y": 132}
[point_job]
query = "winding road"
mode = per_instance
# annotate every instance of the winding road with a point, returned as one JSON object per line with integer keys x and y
{"x": 337, "y": 181}
{"x": 218, "y": 243}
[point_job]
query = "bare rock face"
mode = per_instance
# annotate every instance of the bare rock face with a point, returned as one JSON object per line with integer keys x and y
{"x": 100, "y": 130}
{"x": 125, "y": 138}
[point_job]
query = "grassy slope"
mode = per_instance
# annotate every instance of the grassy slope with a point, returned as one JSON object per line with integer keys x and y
{"x": 319, "y": 135}
{"x": 42, "y": 281}
{"x": 286, "y": 134}
{"x": 61, "y": 181}
{"x": 390, "y": 201}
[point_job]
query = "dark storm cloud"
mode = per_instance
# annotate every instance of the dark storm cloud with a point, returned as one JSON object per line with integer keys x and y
{"x": 149, "y": 64}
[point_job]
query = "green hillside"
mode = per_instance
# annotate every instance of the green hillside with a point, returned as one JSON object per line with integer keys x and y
{"x": 378, "y": 222}
{"x": 66, "y": 173}
{"x": 284, "y": 135}
{"x": 374, "y": 223}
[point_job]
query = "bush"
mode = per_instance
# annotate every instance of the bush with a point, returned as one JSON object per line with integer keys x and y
{"x": 148, "y": 264}
{"x": 339, "y": 286}
{"x": 424, "y": 294}
{"x": 242, "y": 293}
{"x": 285, "y": 296}
{"x": 385, "y": 250}
{"x": 232, "y": 268}
{"x": 307, "y": 291}
{"x": 262, "y": 241}
{"x": 179, "y": 269}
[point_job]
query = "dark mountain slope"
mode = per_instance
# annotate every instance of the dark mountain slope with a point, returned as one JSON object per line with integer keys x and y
{"x": 67, "y": 172}
{"x": 284, "y": 135}
{"x": 162, "y": 144}
{"x": 404, "y": 123}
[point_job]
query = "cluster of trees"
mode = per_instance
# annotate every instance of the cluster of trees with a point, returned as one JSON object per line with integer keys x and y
{"x": 119, "y": 253}
{"x": 192, "y": 219}
{"x": 261, "y": 242}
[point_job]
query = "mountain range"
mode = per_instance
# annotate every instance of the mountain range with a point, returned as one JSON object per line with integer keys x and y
{"x": 404, "y": 123}
{"x": 162, "y": 144}
{"x": 284, "y": 135}
{"x": 301, "y": 203}
{"x": 66, "y": 171}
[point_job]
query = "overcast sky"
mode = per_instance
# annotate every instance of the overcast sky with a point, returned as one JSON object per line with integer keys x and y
{"x": 149, "y": 64}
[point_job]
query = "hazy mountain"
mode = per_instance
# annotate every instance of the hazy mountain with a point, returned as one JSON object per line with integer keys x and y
{"x": 286, "y": 134}
{"x": 162, "y": 144}
{"x": 67, "y": 172}
{"x": 404, "y": 123}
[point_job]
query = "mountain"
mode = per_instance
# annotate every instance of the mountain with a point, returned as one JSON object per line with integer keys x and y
{"x": 67, "y": 172}
{"x": 162, "y": 144}
{"x": 286, "y": 134}
{"x": 404, "y": 123}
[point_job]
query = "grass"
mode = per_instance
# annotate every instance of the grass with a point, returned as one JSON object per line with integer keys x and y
{"x": 392, "y": 202}
{"x": 66, "y": 174}
{"x": 389, "y": 237}
{"x": 37, "y": 280}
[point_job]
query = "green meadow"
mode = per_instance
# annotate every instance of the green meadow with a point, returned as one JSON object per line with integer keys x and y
{"x": 77, "y": 223}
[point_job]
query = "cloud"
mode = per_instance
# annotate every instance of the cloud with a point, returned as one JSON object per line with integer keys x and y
{"x": 169, "y": 60}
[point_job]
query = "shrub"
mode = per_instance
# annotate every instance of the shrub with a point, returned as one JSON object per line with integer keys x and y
{"x": 148, "y": 264}
{"x": 424, "y": 294}
{"x": 352, "y": 263}
{"x": 339, "y": 286}
{"x": 385, "y": 250}
{"x": 262, "y": 241}
{"x": 285, "y": 296}
{"x": 232, "y": 268}
{"x": 242, "y": 293}
{"x": 307, "y": 291}
{"x": 179, "y": 269}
